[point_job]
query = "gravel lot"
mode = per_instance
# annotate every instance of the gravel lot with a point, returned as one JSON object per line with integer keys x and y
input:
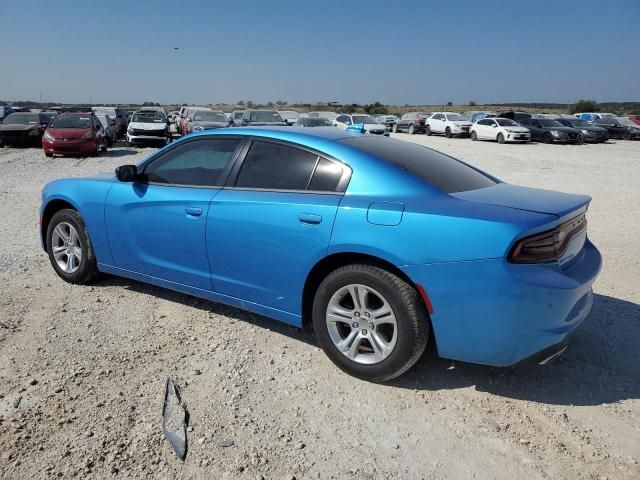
{"x": 87, "y": 364}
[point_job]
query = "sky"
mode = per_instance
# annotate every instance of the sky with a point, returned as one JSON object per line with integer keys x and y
{"x": 348, "y": 51}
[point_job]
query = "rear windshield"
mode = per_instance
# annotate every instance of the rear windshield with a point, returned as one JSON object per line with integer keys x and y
{"x": 71, "y": 122}
{"x": 437, "y": 169}
{"x": 22, "y": 119}
{"x": 265, "y": 116}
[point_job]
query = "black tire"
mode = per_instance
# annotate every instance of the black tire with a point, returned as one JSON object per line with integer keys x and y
{"x": 447, "y": 132}
{"x": 104, "y": 145}
{"x": 580, "y": 139}
{"x": 500, "y": 138}
{"x": 394, "y": 129}
{"x": 627, "y": 136}
{"x": 87, "y": 269}
{"x": 474, "y": 136}
{"x": 548, "y": 138}
{"x": 427, "y": 131}
{"x": 411, "y": 316}
{"x": 48, "y": 154}
{"x": 412, "y": 129}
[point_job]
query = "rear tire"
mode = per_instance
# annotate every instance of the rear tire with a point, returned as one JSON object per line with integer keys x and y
{"x": 48, "y": 154}
{"x": 81, "y": 270}
{"x": 500, "y": 138}
{"x": 382, "y": 333}
{"x": 474, "y": 136}
{"x": 427, "y": 131}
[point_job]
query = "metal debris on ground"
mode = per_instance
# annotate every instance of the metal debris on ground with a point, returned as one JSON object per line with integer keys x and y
{"x": 175, "y": 419}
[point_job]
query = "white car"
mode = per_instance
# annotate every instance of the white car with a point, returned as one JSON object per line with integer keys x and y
{"x": 343, "y": 121}
{"x": 331, "y": 116}
{"x": 289, "y": 116}
{"x": 148, "y": 127}
{"x": 450, "y": 123}
{"x": 499, "y": 129}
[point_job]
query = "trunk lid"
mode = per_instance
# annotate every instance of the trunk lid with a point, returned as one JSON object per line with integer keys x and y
{"x": 525, "y": 198}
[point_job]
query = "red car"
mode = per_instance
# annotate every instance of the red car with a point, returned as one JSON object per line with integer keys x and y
{"x": 635, "y": 119}
{"x": 74, "y": 134}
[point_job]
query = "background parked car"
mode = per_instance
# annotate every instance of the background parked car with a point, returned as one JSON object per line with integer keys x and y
{"x": 619, "y": 127}
{"x": 635, "y": 119}
{"x": 325, "y": 114}
{"x": 74, "y": 133}
{"x": 262, "y": 118}
{"x": 236, "y": 117}
{"x": 370, "y": 124}
{"x": 110, "y": 128}
{"x": 550, "y": 131}
{"x": 289, "y": 116}
{"x": 411, "y": 122}
{"x": 592, "y": 116}
{"x": 590, "y": 132}
{"x": 313, "y": 122}
{"x": 173, "y": 115}
{"x": 499, "y": 129}
{"x": 114, "y": 112}
{"x": 205, "y": 119}
{"x": 148, "y": 127}
{"x": 387, "y": 120}
{"x": 517, "y": 116}
{"x": 4, "y": 111}
{"x": 24, "y": 128}
{"x": 450, "y": 123}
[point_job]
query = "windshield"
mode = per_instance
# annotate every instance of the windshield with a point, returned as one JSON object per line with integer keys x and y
{"x": 71, "y": 121}
{"x": 363, "y": 119}
{"x": 626, "y": 122}
{"x": 206, "y": 116}
{"x": 22, "y": 119}
{"x": 238, "y": 115}
{"x": 318, "y": 122}
{"x": 437, "y": 169}
{"x": 506, "y": 122}
{"x": 265, "y": 116}
{"x": 148, "y": 117}
{"x": 289, "y": 114}
{"x": 455, "y": 117}
{"x": 549, "y": 123}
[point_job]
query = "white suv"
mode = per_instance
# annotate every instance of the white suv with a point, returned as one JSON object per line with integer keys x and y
{"x": 500, "y": 129}
{"x": 449, "y": 123}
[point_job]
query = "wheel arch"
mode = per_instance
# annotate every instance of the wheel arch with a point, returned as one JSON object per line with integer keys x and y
{"x": 51, "y": 208}
{"x": 336, "y": 260}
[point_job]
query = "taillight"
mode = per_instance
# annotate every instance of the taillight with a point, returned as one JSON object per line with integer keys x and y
{"x": 548, "y": 246}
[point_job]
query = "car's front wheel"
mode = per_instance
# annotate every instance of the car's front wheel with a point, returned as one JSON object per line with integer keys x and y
{"x": 394, "y": 129}
{"x": 474, "y": 136}
{"x": 427, "y": 131}
{"x": 500, "y": 138}
{"x": 448, "y": 133}
{"x": 370, "y": 322}
{"x": 69, "y": 247}
{"x": 412, "y": 129}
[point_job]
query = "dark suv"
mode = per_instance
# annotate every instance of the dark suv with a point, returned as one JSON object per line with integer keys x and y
{"x": 412, "y": 122}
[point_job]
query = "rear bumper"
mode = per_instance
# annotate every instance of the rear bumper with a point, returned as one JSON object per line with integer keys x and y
{"x": 497, "y": 313}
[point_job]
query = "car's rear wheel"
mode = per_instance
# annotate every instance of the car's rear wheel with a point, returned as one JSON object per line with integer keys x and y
{"x": 70, "y": 250}
{"x": 474, "y": 136}
{"x": 500, "y": 138}
{"x": 427, "y": 131}
{"x": 412, "y": 129}
{"x": 447, "y": 132}
{"x": 48, "y": 154}
{"x": 370, "y": 322}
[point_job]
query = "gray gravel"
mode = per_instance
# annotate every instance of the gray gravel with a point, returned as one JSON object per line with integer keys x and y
{"x": 89, "y": 363}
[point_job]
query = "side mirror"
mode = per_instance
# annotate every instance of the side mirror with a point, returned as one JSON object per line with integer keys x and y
{"x": 494, "y": 125}
{"x": 127, "y": 173}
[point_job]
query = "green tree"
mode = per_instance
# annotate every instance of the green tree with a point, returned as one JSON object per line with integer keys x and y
{"x": 376, "y": 109}
{"x": 583, "y": 105}
{"x": 241, "y": 102}
{"x": 472, "y": 103}
{"x": 250, "y": 104}
{"x": 449, "y": 104}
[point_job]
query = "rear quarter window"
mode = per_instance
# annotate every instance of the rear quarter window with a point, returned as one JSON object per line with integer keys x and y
{"x": 437, "y": 169}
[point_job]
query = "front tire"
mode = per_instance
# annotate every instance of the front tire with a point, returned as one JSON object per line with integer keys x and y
{"x": 548, "y": 138}
{"x": 500, "y": 138}
{"x": 370, "y": 322}
{"x": 427, "y": 131}
{"x": 447, "y": 132}
{"x": 69, "y": 247}
{"x": 474, "y": 136}
{"x": 412, "y": 129}
{"x": 394, "y": 129}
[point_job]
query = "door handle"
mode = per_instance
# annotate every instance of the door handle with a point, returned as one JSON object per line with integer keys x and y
{"x": 193, "y": 211}
{"x": 310, "y": 219}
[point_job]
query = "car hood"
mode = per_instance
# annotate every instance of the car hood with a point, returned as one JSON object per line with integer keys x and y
{"x": 211, "y": 124}
{"x": 17, "y": 127}
{"x": 517, "y": 129}
{"x": 147, "y": 126}
{"x": 67, "y": 132}
{"x": 561, "y": 129}
{"x": 525, "y": 198}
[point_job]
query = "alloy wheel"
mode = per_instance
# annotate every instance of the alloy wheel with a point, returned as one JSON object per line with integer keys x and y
{"x": 65, "y": 244}
{"x": 361, "y": 324}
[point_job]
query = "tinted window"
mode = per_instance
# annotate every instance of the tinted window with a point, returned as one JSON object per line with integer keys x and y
{"x": 439, "y": 170}
{"x": 326, "y": 177}
{"x": 484, "y": 122}
{"x": 277, "y": 167}
{"x": 201, "y": 162}
{"x": 71, "y": 121}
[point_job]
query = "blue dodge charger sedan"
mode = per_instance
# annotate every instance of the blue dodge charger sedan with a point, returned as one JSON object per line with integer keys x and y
{"x": 379, "y": 243}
